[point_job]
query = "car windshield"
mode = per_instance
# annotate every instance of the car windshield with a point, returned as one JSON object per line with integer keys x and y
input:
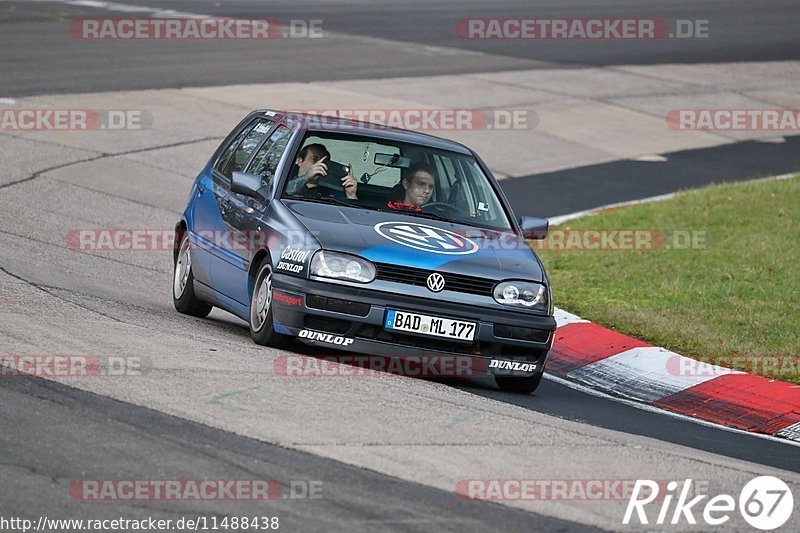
{"x": 385, "y": 175}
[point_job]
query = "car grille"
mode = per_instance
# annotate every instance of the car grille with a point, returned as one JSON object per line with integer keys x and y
{"x": 337, "y": 306}
{"x": 520, "y": 333}
{"x": 328, "y": 325}
{"x": 419, "y": 277}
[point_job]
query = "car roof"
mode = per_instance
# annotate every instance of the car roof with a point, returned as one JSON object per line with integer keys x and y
{"x": 320, "y": 123}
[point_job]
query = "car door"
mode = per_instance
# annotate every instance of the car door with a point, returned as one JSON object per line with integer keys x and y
{"x": 243, "y": 213}
{"x": 210, "y": 207}
{"x": 206, "y": 209}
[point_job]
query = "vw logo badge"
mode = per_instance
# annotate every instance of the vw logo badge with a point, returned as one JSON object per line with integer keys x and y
{"x": 436, "y": 282}
{"x": 426, "y": 238}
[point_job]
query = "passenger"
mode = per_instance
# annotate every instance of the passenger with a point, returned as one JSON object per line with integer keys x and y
{"x": 311, "y": 167}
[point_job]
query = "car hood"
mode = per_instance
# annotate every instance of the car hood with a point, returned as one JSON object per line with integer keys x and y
{"x": 418, "y": 242}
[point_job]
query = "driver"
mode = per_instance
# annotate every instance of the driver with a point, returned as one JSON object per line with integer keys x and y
{"x": 419, "y": 184}
{"x": 310, "y": 167}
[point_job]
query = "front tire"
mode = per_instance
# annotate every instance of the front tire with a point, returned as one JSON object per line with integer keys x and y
{"x": 519, "y": 385}
{"x": 261, "y": 326}
{"x": 183, "y": 296}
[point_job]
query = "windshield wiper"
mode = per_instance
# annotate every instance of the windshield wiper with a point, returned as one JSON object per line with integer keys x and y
{"x": 434, "y": 216}
{"x": 423, "y": 214}
{"x": 326, "y": 200}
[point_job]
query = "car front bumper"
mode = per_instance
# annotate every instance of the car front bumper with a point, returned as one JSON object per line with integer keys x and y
{"x": 344, "y": 317}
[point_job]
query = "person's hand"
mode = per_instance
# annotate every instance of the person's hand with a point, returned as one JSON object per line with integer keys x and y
{"x": 350, "y": 184}
{"x": 317, "y": 169}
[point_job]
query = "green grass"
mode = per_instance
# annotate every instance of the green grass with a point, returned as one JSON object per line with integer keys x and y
{"x": 738, "y": 294}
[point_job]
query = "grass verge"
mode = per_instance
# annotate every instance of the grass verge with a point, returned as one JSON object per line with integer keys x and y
{"x": 712, "y": 274}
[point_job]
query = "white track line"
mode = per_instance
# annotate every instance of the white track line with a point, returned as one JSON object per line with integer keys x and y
{"x": 560, "y": 219}
{"x": 555, "y": 221}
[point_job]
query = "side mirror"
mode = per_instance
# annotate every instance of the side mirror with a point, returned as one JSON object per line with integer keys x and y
{"x": 534, "y": 227}
{"x": 246, "y": 184}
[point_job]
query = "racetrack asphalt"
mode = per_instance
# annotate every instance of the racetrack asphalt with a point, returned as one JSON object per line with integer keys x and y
{"x": 128, "y": 440}
{"x": 389, "y": 451}
{"x": 375, "y": 39}
{"x": 621, "y": 181}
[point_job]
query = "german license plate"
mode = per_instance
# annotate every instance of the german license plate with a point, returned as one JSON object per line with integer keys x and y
{"x": 430, "y": 325}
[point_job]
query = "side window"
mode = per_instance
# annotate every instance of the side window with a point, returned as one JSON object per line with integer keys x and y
{"x": 238, "y": 152}
{"x": 228, "y": 152}
{"x": 267, "y": 159}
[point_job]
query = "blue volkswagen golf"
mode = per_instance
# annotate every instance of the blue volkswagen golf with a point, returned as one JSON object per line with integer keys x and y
{"x": 365, "y": 239}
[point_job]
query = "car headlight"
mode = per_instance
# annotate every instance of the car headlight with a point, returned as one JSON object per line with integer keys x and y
{"x": 337, "y": 265}
{"x": 523, "y": 294}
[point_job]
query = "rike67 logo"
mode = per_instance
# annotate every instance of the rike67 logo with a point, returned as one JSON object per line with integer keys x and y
{"x": 766, "y": 503}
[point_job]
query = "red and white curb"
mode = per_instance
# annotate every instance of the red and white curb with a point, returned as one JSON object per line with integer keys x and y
{"x": 618, "y": 365}
{"x": 623, "y": 367}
